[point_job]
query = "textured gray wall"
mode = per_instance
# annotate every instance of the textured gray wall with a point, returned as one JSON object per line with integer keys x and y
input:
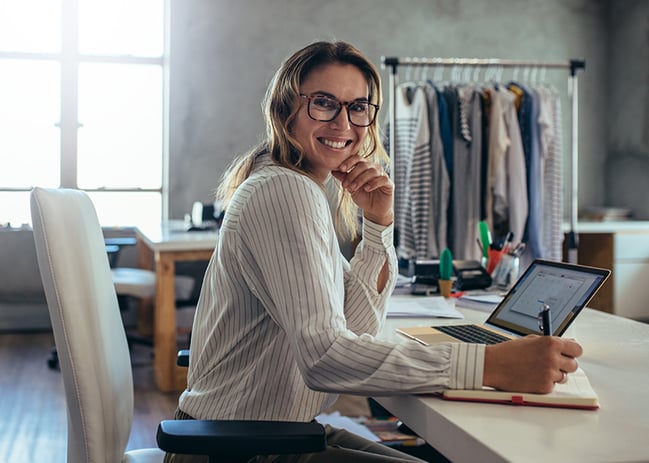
{"x": 627, "y": 111}
{"x": 223, "y": 53}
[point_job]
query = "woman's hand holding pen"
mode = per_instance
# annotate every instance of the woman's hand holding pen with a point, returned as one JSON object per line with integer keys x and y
{"x": 370, "y": 187}
{"x": 530, "y": 364}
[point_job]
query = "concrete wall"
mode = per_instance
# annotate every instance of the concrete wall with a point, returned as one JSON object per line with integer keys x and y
{"x": 223, "y": 53}
{"x": 22, "y": 299}
{"x": 627, "y": 110}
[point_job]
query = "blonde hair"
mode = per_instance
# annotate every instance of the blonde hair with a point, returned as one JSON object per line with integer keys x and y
{"x": 281, "y": 104}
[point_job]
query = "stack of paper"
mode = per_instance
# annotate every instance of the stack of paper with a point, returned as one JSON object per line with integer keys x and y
{"x": 422, "y": 306}
{"x": 485, "y": 302}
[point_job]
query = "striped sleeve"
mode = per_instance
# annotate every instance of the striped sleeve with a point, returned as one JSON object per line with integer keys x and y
{"x": 365, "y": 307}
{"x": 467, "y": 366}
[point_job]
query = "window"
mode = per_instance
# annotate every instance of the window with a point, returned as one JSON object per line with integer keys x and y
{"x": 82, "y": 105}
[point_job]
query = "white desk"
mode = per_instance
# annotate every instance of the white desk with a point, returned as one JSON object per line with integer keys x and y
{"x": 616, "y": 360}
{"x": 159, "y": 248}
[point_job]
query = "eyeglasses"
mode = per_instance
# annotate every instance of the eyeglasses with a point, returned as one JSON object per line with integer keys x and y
{"x": 325, "y": 109}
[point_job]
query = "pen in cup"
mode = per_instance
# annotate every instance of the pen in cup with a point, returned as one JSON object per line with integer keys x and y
{"x": 507, "y": 244}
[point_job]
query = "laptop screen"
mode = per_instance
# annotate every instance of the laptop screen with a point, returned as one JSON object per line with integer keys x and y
{"x": 565, "y": 288}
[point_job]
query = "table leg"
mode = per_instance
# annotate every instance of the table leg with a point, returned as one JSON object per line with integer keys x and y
{"x": 145, "y": 306}
{"x": 168, "y": 376}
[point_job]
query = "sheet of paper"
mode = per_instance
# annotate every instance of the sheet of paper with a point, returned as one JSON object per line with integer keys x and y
{"x": 422, "y": 306}
{"x": 484, "y": 302}
{"x": 337, "y": 420}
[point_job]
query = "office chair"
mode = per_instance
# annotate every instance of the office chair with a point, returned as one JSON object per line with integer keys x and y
{"x": 95, "y": 360}
{"x": 140, "y": 284}
{"x": 132, "y": 283}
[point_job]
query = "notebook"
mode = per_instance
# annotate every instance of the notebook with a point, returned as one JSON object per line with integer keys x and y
{"x": 575, "y": 393}
{"x": 565, "y": 288}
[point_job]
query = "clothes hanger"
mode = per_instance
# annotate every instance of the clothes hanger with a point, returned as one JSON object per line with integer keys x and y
{"x": 466, "y": 74}
{"x": 456, "y": 74}
{"x": 476, "y": 74}
{"x": 423, "y": 76}
{"x": 408, "y": 74}
{"x": 533, "y": 76}
{"x": 438, "y": 75}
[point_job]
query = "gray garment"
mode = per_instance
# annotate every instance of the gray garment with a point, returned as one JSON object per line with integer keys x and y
{"x": 342, "y": 447}
{"x": 467, "y": 162}
{"x": 441, "y": 183}
{"x": 510, "y": 185}
{"x": 551, "y": 145}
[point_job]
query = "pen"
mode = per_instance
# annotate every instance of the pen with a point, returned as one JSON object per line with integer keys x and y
{"x": 508, "y": 242}
{"x": 518, "y": 250}
{"x": 546, "y": 320}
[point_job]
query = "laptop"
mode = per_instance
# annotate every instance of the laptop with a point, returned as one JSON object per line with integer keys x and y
{"x": 564, "y": 288}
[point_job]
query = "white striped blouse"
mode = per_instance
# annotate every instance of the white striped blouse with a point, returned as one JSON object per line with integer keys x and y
{"x": 284, "y": 321}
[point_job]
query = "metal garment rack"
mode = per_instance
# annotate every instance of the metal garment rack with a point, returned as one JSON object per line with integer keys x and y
{"x": 572, "y": 65}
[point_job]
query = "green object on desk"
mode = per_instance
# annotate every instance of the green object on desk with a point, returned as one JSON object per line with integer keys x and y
{"x": 485, "y": 238}
{"x": 446, "y": 264}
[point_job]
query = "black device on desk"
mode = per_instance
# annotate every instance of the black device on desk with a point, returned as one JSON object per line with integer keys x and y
{"x": 205, "y": 217}
{"x": 469, "y": 275}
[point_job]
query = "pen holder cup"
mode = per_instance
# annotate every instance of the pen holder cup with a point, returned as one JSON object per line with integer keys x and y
{"x": 494, "y": 259}
{"x": 445, "y": 287}
{"x": 506, "y": 272}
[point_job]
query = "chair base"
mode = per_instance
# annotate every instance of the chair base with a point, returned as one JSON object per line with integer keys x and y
{"x": 53, "y": 360}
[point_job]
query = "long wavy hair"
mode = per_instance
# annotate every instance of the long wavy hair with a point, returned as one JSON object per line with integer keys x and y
{"x": 281, "y": 105}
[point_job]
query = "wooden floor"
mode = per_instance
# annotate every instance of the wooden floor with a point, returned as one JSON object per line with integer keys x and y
{"x": 32, "y": 402}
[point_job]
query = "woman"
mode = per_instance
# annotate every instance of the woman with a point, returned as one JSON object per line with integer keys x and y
{"x": 284, "y": 322}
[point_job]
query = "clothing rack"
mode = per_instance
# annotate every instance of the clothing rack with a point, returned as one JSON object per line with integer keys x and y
{"x": 573, "y": 65}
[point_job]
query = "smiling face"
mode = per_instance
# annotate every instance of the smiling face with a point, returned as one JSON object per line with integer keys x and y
{"x": 327, "y": 144}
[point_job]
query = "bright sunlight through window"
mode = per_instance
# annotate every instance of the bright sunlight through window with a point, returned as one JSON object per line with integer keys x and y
{"x": 82, "y": 94}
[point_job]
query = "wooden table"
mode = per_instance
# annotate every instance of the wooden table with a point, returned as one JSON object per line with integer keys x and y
{"x": 616, "y": 360}
{"x": 160, "y": 246}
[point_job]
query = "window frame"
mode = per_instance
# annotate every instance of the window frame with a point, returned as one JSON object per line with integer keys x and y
{"x": 70, "y": 60}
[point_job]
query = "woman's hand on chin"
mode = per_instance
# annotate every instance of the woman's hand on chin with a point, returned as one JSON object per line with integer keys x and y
{"x": 370, "y": 188}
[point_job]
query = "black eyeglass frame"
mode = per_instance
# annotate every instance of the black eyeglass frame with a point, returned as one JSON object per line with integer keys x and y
{"x": 340, "y": 107}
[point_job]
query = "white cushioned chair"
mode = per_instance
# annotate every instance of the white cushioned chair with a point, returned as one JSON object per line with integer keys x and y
{"x": 95, "y": 360}
{"x": 140, "y": 283}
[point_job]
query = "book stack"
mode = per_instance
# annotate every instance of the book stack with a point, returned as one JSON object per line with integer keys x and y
{"x": 390, "y": 432}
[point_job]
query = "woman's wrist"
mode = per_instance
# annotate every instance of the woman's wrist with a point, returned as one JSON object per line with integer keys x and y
{"x": 383, "y": 220}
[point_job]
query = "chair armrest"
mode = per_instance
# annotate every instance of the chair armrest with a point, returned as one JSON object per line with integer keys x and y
{"x": 235, "y": 438}
{"x": 182, "y": 360}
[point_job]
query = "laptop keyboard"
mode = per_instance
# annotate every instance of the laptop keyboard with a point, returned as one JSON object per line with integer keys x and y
{"x": 472, "y": 333}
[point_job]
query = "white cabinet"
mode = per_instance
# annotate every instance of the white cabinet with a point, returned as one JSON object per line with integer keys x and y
{"x": 622, "y": 247}
{"x": 631, "y": 270}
